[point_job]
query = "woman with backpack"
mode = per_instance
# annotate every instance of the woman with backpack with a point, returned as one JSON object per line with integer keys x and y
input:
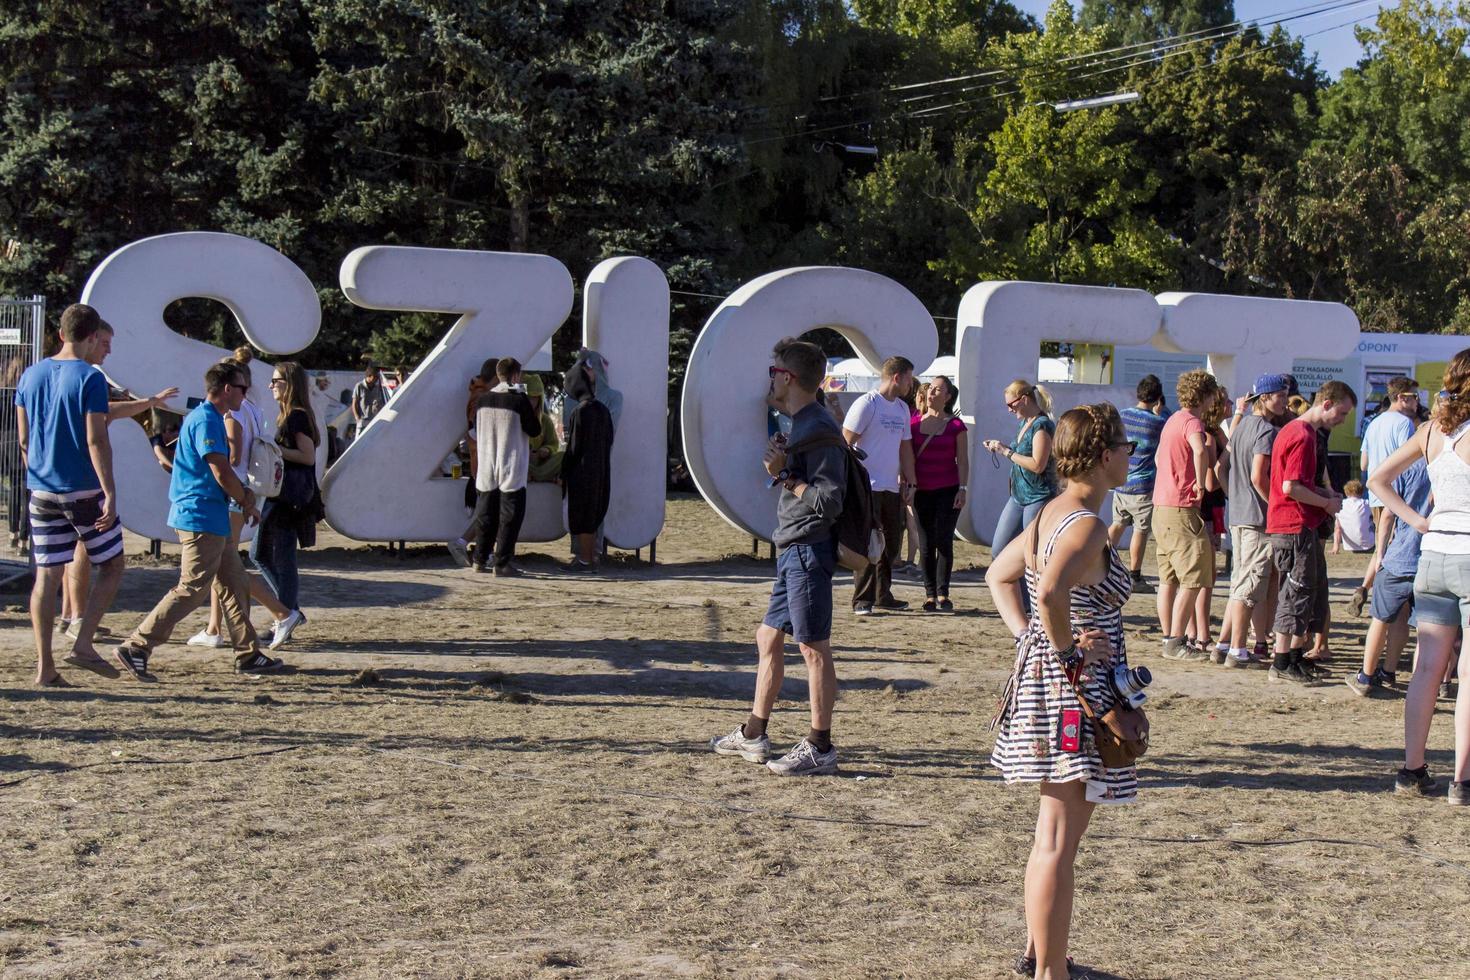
{"x": 295, "y": 510}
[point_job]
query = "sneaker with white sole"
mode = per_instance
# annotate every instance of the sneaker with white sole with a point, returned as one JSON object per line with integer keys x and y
{"x": 134, "y": 662}
{"x": 204, "y": 638}
{"x": 749, "y": 749}
{"x": 285, "y": 627}
{"x": 805, "y": 760}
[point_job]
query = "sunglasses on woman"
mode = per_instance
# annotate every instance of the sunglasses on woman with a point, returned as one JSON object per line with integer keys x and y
{"x": 1131, "y": 446}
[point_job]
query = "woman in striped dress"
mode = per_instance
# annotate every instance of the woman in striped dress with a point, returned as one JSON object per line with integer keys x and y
{"x": 1077, "y": 586}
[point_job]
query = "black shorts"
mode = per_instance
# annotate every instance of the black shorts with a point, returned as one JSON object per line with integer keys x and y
{"x": 1302, "y": 606}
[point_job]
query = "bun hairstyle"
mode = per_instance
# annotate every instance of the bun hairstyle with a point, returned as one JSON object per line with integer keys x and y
{"x": 1453, "y": 408}
{"x": 1083, "y": 435}
{"x": 1022, "y": 388}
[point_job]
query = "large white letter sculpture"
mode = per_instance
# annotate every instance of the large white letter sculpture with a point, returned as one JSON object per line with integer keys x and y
{"x": 999, "y": 334}
{"x": 385, "y": 486}
{"x": 625, "y": 317}
{"x": 723, "y": 408}
{"x": 271, "y": 298}
{"x": 1247, "y": 336}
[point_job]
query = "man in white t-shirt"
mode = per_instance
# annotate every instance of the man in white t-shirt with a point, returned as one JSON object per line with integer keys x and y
{"x": 878, "y": 424}
{"x": 1388, "y": 430}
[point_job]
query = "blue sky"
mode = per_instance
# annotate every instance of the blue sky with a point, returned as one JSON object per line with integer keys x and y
{"x": 1335, "y": 49}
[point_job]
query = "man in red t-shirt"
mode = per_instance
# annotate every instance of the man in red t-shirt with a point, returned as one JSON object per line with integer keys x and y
{"x": 1295, "y": 510}
{"x": 1181, "y": 540}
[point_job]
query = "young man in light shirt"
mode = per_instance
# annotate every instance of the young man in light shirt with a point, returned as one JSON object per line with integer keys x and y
{"x": 878, "y": 424}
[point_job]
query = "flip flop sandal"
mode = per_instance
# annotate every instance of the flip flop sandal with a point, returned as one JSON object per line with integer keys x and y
{"x": 56, "y": 682}
{"x": 96, "y": 665}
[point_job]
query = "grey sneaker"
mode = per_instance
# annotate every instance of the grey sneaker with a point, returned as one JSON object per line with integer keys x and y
{"x": 1231, "y": 660}
{"x": 1294, "y": 674}
{"x": 749, "y": 749}
{"x": 1459, "y": 792}
{"x": 1174, "y": 648}
{"x": 1415, "y": 782}
{"x": 460, "y": 553}
{"x": 1361, "y": 688}
{"x": 863, "y": 609}
{"x": 805, "y": 760}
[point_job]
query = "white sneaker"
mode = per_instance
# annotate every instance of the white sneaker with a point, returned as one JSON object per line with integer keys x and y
{"x": 805, "y": 760}
{"x": 459, "y": 552}
{"x": 749, "y": 749}
{"x": 285, "y": 627}
{"x": 204, "y": 638}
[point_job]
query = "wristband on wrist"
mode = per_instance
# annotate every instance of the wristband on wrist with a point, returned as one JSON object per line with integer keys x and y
{"x": 1070, "y": 657}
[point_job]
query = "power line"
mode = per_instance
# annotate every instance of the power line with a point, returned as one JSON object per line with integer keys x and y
{"x": 1156, "y": 51}
{"x": 1280, "y": 17}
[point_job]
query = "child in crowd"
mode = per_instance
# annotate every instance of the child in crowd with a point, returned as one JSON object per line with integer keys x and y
{"x": 1354, "y": 522}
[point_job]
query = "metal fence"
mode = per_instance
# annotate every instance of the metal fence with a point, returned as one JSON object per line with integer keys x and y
{"x": 22, "y": 331}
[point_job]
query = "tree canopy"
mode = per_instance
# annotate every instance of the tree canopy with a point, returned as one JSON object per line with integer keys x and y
{"x": 727, "y": 138}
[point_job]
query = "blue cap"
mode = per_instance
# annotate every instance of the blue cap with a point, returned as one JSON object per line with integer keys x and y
{"x": 1269, "y": 384}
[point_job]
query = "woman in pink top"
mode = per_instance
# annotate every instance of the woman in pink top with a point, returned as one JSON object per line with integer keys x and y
{"x": 941, "y": 458}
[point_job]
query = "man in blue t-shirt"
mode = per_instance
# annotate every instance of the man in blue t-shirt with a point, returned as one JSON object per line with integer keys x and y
{"x": 61, "y": 420}
{"x": 200, "y": 490}
{"x": 1133, "y": 502}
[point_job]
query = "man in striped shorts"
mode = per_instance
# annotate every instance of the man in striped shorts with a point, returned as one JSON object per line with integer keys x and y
{"x": 61, "y": 415}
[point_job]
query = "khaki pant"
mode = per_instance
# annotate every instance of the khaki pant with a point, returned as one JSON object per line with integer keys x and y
{"x": 1183, "y": 547}
{"x": 206, "y": 557}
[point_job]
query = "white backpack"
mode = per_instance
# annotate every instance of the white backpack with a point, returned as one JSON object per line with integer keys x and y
{"x": 266, "y": 467}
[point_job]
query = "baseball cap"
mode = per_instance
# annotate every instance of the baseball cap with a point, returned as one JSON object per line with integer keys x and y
{"x": 1269, "y": 384}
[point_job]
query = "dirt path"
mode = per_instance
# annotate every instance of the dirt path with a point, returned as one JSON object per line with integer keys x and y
{"x": 520, "y": 787}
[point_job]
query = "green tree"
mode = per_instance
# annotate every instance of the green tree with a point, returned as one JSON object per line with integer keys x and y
{"x": 1139, "y": 21}
{"x": 1063, "y": 197}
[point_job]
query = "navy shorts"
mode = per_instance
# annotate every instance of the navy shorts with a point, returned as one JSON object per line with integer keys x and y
{"x": 1391, "y": 593}
{"x": 801, "y": 599}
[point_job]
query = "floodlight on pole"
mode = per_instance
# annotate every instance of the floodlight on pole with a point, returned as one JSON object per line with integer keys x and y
{"x": 1099, "y": 102}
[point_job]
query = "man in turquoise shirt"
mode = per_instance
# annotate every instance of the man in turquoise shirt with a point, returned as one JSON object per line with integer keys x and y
{"x": 202, "y": 485}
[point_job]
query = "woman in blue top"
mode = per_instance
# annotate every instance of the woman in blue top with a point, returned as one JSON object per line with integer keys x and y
{"x": 1033, "y": 471}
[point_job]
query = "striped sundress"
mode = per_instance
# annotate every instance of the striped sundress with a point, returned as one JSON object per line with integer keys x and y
{"x": 1026, "y": 741}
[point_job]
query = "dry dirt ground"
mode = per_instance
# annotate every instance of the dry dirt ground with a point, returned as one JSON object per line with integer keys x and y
{"x": 524, "y": 790}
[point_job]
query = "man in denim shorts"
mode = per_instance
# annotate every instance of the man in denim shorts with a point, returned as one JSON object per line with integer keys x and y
{"x": 812, "y": 481}
{"x": 1393, "y": 586}
{"x": 61, "y": 417}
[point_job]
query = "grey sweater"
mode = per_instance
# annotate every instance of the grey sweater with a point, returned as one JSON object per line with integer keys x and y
{"x": 809, "y": 519}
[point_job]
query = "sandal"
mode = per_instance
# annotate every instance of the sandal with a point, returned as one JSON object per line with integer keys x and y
{"x": 56, "y": 682}
{"x": 95, "y": 664}
{"x": 1026, "y": 965}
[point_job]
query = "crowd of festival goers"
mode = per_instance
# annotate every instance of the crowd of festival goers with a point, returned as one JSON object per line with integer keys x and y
{"x": 1246, "y": 478}
{"x": 64, "y": 404}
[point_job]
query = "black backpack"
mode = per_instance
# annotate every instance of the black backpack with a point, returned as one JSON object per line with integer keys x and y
{"x": 858, "y": 531}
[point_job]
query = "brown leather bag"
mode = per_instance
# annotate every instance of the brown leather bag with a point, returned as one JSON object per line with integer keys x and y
{"x": 1121, "y": 733}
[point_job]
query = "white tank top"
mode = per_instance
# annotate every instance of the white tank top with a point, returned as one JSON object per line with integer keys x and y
{"x": 1449, "y": 480}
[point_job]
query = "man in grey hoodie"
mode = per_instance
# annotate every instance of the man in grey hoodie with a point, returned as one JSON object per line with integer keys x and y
{"x": 812, "y": 481}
